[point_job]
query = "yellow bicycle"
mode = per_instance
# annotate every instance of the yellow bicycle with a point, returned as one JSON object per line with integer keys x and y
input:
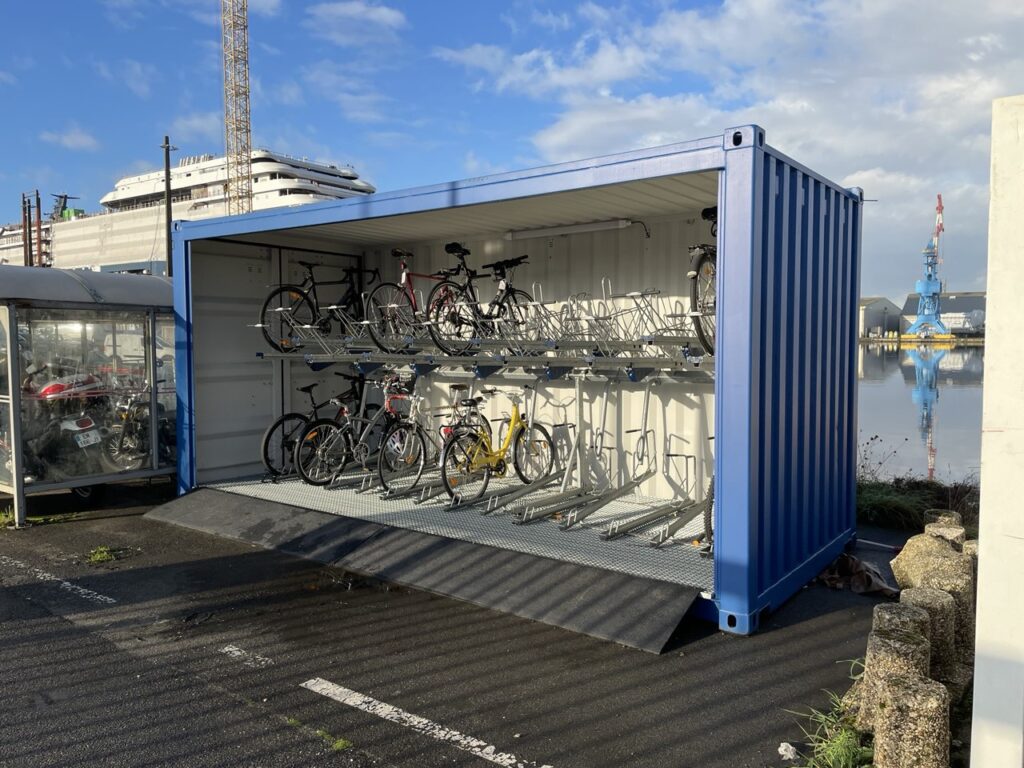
{"x": 468, "y": 459}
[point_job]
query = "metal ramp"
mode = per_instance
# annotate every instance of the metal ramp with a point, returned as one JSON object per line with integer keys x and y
{"x": 634, "y": 594}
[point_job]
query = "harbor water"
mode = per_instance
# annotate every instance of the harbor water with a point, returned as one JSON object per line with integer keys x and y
{"x": 919, "y": 410}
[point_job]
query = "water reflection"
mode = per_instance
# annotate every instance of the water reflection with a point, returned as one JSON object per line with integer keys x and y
{"x": 924, "y": 404}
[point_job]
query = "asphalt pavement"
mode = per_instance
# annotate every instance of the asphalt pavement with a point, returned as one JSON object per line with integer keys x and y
{"x": 193, "y": 650}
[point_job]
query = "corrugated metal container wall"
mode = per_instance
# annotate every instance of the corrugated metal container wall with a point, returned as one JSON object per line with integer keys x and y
{"x": 786, "y": 422}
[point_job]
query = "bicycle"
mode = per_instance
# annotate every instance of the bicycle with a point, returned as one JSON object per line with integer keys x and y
{"x": 704, "y": 285}
{"x": 327, "y": 446}
{"x": 469, "y": 456}
{"x": 393, "y": 313}
{"x": 290, "y": 308}
{"x": 404, "y": 448}
{"x": 455, "y": 316}
{"x": 277, "y": 447}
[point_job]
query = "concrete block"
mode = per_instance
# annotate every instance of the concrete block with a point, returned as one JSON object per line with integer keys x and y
{"x": 902, "y": 617}
{"x": 954, "y": 534}
{"x": 957, "y": 578}
{"x": 891, "y": 653}
{"x": 970, "y": 549}
{"x": 912, "y": 729}
{"x": 941, "y": 610}
{"x": 943, "y": 516}
{"x": 918, "y": 557}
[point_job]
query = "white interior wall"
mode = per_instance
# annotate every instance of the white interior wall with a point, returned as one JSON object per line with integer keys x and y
{"x": 237, "y": 395}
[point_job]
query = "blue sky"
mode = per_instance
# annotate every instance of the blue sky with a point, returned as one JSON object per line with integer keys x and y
{"x": 893, "y": 97}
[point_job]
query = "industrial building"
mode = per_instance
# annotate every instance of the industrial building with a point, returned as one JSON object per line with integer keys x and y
{"x": 963, "y": 313}
{"x": 878, "y": 317}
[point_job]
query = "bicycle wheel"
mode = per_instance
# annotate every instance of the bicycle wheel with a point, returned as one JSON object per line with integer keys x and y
{"x": 285, "y": 306}
{"x": 514, "y": 323}
{"x": 533, "y": 453}
{"x": 322, "y": 451}
{"x": 452, "y": 320}
{"x": 277, "y": 449}
{"x": 703, "y": 286}
{"x": 403, "y": 453}
{"x": 390, "y": 317}
{"x": 464, "y": 468}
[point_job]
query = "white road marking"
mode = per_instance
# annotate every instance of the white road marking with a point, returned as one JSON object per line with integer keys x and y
{"x": 420, "y": 724}
{"x": 67, "y": 586}
{"x": 248, "y": 658}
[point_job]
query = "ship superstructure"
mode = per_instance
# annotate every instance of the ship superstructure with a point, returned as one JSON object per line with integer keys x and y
{"x": 127, "y": 234}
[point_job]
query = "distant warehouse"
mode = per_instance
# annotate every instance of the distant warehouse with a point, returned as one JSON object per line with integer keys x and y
{"x": 877, "y": 317}
{"x": 963, "y": 313}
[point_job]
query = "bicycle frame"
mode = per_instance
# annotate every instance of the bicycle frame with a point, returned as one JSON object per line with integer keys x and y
{"x": 484, "y": 455}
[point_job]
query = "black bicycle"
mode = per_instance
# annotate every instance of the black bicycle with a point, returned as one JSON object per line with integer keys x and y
{"x": 704, "y": 285}
{"x": 277, "y": 449}
{"x": 290, "y": 309}
{"x": 454, "y": 310}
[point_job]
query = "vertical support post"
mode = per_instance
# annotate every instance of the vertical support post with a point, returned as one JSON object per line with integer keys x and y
{"x": 183, "y": 380}
{"x": 998, "y": 722}
{"x": 27, "y": 239}
{"x": 168, "y": 216}
{"x": 154, "y": 378}
{"x": 13, "y": 406}
{"x": 39, "y": 230}
{"x": 737, "y": 513}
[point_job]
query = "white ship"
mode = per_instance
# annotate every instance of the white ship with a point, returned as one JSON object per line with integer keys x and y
{"x": 128, "y": 234}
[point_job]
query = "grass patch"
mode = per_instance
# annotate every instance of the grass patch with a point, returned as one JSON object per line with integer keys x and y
{"x": 6, "y": 516}
{"x": 901, "y": 502}
{"x": 293, "y": 722}
{"x": 832, "y": 740}
{"x": 101, "y": 554}
{"x": 337, "y": 745}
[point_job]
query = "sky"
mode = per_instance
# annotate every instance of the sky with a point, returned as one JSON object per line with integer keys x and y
{"x": 890, "y": 95}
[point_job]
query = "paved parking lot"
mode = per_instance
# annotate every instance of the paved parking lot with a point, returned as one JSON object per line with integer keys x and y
{"x": 193, "y": 650}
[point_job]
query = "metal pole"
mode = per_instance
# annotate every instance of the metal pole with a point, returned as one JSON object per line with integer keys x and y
{"x": 39, "y": 229}
{"x": 14, "y": 416}
{"x": 168, "y": 218}
{"x": 24, "y": 233}
{"x": 28, "y": 231}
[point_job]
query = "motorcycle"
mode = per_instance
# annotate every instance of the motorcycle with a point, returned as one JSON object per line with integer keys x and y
{"x": 127, "y": 446}
{"x": 62, "y": 436}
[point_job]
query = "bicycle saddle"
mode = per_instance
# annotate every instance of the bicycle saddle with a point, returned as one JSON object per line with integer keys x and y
{"x": 307, "y": 264}
{"x": 470, "y": 402}
{"x": 398, "y": 253}
{"x": 710, "y": 214}
{"x": 456, "y": 249}
{"x": 458, "y": 387}
{"x": 308, "y": 389}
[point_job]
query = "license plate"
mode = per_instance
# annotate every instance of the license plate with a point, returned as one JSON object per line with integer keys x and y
{"x": 85, "y": 439}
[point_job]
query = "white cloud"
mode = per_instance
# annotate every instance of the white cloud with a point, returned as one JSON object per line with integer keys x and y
{"x": 359, "y": 99}
{"x": 354, "y": 23}
{"x": 6, "y": 78}
{"x": 73, "y": 137}
{"x": 205, "y": 126}
{"x": 824, "y": 78}
{"x": 478, "y": 166}
{"x": 555, "y": 22}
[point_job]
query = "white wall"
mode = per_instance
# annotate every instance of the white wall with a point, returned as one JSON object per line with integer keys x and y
{"x": 998, "y": 731}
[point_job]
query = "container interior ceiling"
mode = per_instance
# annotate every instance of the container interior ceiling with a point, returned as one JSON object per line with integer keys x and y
{"x": 237, "y": 394}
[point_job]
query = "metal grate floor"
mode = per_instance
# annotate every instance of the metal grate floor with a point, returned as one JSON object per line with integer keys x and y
{"x": 677, "y": 561}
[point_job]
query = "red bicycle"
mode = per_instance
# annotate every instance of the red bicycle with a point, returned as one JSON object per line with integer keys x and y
{"x": 393, "y": 314}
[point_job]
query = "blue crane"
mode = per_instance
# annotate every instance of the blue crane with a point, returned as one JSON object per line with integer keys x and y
{"x": 929, "y": 288}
